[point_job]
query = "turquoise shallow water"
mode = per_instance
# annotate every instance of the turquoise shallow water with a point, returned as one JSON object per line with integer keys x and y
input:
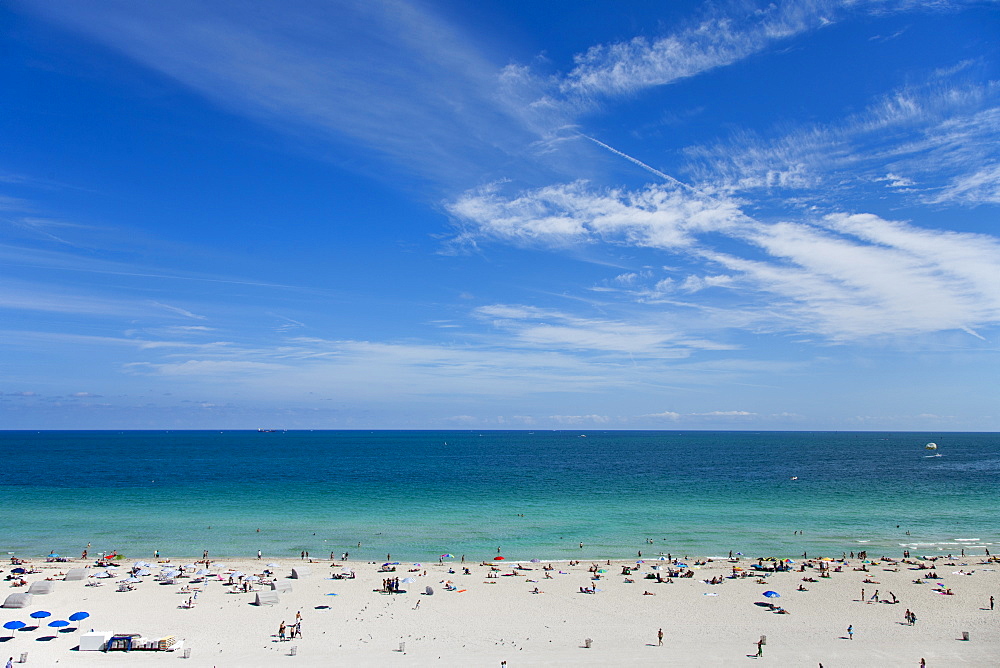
{"x": 418, "y": 494}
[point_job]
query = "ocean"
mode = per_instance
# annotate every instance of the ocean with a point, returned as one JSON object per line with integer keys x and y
{"x": 415, "y": 495}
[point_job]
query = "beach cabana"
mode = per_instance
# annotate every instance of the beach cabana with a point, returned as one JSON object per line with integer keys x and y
{"x": 95, "y": 641}
{"x": 74, "y": 574}
{"x": 300, "y": 572}
{"x": 266, "y": 598}
{"x": 19, "y": 600}
{"x": 281, "y": 587}
{"x": 40, "y": 587}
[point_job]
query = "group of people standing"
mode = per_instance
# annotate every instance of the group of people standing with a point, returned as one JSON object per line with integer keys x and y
{"x": 294, "y": 630}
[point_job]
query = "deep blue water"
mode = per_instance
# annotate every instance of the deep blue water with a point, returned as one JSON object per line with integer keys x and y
{"x": 417, "y": 494}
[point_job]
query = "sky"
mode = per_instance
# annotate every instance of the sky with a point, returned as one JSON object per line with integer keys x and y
{"x": 340, "y": 214}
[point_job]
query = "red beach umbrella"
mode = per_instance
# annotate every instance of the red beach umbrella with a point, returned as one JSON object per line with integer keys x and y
{"x": 497, "y": 558}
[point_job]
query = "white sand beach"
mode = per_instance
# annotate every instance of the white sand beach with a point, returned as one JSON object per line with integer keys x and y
{"x": 486, "y": 620}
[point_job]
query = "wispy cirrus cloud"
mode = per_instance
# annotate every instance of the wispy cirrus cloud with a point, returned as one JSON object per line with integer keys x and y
{"x": 720, "y": 39}
{"x": 841, "y": 276}
{"x": 934, "y": 141}
{"x": 392, "y": 75}
{"x": 549, "y": 329}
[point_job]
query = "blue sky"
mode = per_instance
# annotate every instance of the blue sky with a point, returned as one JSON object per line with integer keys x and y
{"x": 641, "y": 215}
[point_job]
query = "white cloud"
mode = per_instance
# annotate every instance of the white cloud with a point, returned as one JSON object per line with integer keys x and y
{"x": 844, "y": 277}
{"x": 390, "y": 75}
{"x": 980, "y": 187}
{"x": 656, "y": 216}
{"x": 716, "y": 41}
{"x": 580, "y": 419}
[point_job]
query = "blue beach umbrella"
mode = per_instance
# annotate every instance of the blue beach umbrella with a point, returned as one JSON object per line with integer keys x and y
{"x": 772, "y": 594}
{"x": 78, "y": 616}
{"x": 58, "y": 623}
{"x": 14, "y": 625}
{"x": 40, "y": 614}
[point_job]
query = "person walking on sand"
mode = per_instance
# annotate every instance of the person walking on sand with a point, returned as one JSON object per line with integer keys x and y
{"x": 991, "y": 603}
{"x": 760, "y": 648}
{"x": 850, "y": 631}
{"x": 281, "y": 631}
{"x": 10, "y": 662}
{"x": 659, "y": 638}
{"x": 259, "y": 554}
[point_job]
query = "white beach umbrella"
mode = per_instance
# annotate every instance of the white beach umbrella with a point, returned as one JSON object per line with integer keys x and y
{"x": 273, "y": 565}
{"x": 220, "y": 566}
{"x": 346, "y": 569}
{"x": 202, "y": 571}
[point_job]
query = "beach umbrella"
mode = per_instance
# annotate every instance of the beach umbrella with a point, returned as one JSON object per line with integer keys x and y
{"x": 238, "y": 574}
{"x": 447, "y": 556}
{"x": 536, "y": 561}
{"x": 19, "y": 571}
{"x": 59, "y": 623}
{"x": 772, "y": 594}
{"x": 220, "y": 565}
{"x": 144, "y": 572}
{"x": 274, "y": 565}
{"x": 40, "y": 614}
{"x": 14, "y": 626}
{"x": 346, "y": 570}
{"x": 408, "y": 580}
{"x": 661, "y": 559}
{"x": 78, "y": 616}
{"x": 252, "y": 578}
{"x": 53, "y": 555}
{"x": 497, "y": 558}
{"x": 202, "y": 571}
{"x": 132, "y": 579}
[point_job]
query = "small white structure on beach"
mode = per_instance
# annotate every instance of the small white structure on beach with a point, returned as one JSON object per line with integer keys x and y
{"x": 266, "y": 598}
{"x": 74, "y": 574}
{"x": 94, "y": 641}
{"x": 18, "y": 600}
{"x": 281, "y": 587}
{"x": 300, "y": 572}
{"x": 40, "y": 587}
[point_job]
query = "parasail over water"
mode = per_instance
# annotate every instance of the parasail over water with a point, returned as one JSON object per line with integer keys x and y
{"x": 931, "y": 446}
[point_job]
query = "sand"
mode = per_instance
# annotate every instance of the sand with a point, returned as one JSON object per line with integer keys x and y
{"x": 487, "y": 621}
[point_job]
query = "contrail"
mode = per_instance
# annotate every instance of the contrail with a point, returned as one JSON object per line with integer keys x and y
{"x": 640, "y": 163}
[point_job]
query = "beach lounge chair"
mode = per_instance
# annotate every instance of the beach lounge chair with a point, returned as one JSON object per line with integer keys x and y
{"x": 76, "y": 574}
{"x": 300, "y": 572}
{"x": 266, "y": 598}
{"x": 40, "y": 587}
{"x": 20, "y": 600}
